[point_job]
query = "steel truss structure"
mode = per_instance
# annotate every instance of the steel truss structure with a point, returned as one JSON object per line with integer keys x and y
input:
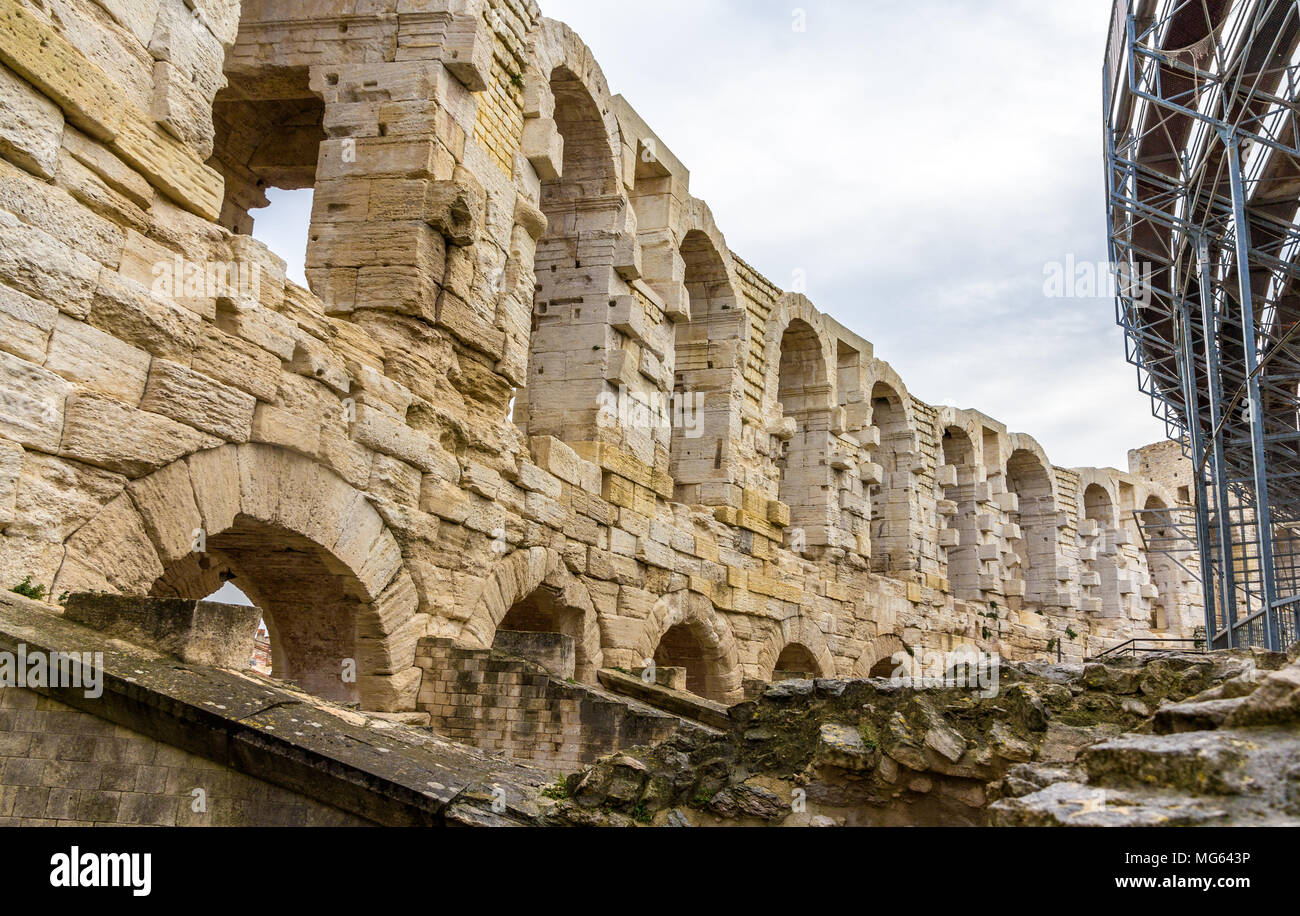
{"x": 1202, "y": 138}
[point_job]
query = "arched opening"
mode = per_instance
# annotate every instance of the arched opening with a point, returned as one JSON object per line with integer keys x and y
{"x": 574, "y": 339}
{"x": 309, "y": 604}
{"x": 892, "y": 550}
{"x": 884, "y": 668}
{"x": 1099, "y": 548}
{"x": 1161, "y": 539}
{"x": 544, "y": 611}
{"x": 1035, "y": 550}
{"x": 958, "y": 478}
{"x": 704, "y": 370}
{"x": 682, "y": 647}
{"x": 803, "y": 390}
{"x": 1098, "y": 507}
{"x": 795, "y": 661}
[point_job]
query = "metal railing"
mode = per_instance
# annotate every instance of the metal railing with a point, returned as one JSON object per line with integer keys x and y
{"x": 1153, "y": 646}
{"x": 1202, "y": 143}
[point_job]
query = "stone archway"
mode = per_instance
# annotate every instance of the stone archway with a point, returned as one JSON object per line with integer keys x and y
{"x": 894, "y": 541}
{"x": 877, "y": 659}
{"x": 799, "y": 367}
{"x": 310, "y": 548}
{"x": 699, "y": 637}
{"x": 796, "y": 632}
{"x": 1029, "y": 477}
{"x": 517, "y": 579}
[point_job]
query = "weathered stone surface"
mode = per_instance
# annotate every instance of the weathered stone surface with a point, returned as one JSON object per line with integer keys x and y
{"x": 198, "y": 632}
{"x": 25, "y": 325}
{"x": 56, "y": 496}
{"x": 1225, "y": 760}
{"x": 97, "y": 360}
{"x": 198, "y": 401}
{"x": 106, "y": 433}
{"x": 31, "y": 126}
{"x": 31, "y": 403}
{"x": 875, "y": 753}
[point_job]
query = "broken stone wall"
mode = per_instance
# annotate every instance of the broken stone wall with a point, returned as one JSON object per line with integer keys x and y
{"x": 512, "y": 706}
{"x": 528, "y": 364}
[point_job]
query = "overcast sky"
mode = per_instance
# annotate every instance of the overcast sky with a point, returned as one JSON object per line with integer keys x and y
{"x": 923, "y": 162}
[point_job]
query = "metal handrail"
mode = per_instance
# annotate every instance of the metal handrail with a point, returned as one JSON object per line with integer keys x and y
{"x": 1132, "y": 647}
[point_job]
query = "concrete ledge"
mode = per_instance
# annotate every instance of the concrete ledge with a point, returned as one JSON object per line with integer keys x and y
{"x": 677, "y": 702}
{"x": 393, "y": 775}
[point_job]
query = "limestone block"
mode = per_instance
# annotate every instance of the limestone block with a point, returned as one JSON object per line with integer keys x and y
{"x": 87, "y": 188}
{"x": 136, "y": 16}
{"x": 395, "y": 480}
{"x": 468, "y": 326}
{"x": 165, "y": 501}
{"x": 276, "y": 426}
{"x": 45, "y": 58}
{"x": 21, "y": 557}
{"x": 88, "y": 356}
{"x": 25, "y": 325}
{"x": 115, "y": 541}
{"x": 947, "y": 475}
{"x": 214, "y": 475}
{"x": 31, "y": 126}
{"x": 949, "y": 537}
{"x": 106, "y": 433}
{"x": 237, "y": 363}
{"x": 103, "y": 162}
{"x": 313, "y": 359}
{"x": 126, "y": 310}
{"x": 260, "y": 327}
{"x": 199, "y": 401}
{"x": 778, "y": 513}
{"x": 394, "y": 652}
{"x": 391, "y": 610}
{"x": 186, "y": 77}
{"x": 389, "y": 693}
{"x": 467, "y": 51}
{"x": 11, "y": 466}
{"x": 554, "y": 456}
{"x": 197, "y": 632}
{"x": 543, "y": 147}
{"x": 221, "y": 17}
{"x": 627, "y": 255}
{"x": 383, "y": 432}
{"x": 32, "y": 402}
{"x": 170, "y": 166}
{"x": 40, "y": 265}
{"x": 55, "y": 497}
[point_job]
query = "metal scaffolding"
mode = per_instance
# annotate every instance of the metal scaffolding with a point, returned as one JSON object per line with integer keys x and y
{"x": 1202, "y": 137}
